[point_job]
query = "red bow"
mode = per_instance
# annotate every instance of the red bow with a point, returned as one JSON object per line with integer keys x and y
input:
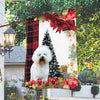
{"x": 60, "y": 24}
{"x": 70, "y": 15}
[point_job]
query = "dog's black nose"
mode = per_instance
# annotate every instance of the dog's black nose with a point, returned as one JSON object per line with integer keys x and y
{"x": 42, "y": 57}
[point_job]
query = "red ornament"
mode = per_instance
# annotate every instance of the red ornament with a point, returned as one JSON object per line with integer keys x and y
{"x": 39, "y": 81}
{"x": 56, "y": 78}
{"x": 49, "y": 79}
{"x": 63, "y": 83}
{"x": 69, "y": 35}
{"x": 46, "y": 83}
{"x": 67, "y": 80}
{"x": 32, "y": 82}
{"x": 53, "y": 80}
{"x": 73, "y": 83}
{"x": 73, "y": 45}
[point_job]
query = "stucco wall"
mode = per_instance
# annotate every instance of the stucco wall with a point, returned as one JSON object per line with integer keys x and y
{"x": 85, "y": 92}
{"x": 15, "y": 72}
{"x": 2, "y": 14}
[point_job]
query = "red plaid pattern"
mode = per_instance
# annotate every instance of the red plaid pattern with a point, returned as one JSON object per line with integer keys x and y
{"x": 32, "y": 44}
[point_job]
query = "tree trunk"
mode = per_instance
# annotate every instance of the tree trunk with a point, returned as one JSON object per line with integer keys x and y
{"x": 93, "y": 96}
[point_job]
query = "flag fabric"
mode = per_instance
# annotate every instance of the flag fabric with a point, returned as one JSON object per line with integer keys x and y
{"x": 32, "y": 44}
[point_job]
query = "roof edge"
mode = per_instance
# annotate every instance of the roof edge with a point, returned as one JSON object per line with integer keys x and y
{"x": 18, "y": 64}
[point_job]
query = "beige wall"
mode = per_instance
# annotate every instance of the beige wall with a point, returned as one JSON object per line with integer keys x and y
{"x": 2, "y": 14}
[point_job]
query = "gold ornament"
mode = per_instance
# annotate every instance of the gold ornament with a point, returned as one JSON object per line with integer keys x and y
{"x": 33, "y": 86}
{"x": 75, "y": 72}
{"x": 35, "y": 19}
{"x": 26, "y": 83}
{"x": 71, "y": 64}
{"x": 60, "y": 79}
{"x": 74, "y": 36}
{"x": 63, "y": 69}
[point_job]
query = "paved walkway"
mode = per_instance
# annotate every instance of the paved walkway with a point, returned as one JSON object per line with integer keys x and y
{"x": 74, "y": 98}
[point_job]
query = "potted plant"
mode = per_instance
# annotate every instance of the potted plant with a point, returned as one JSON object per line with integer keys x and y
{"x": 95, "y": 90}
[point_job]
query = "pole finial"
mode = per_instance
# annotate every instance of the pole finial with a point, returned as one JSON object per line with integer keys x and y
{"x": 47, "y": 31}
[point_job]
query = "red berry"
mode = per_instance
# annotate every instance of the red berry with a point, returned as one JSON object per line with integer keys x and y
{"x": 56, "y": 87}
{"x": 69, "y": 35}
{"x": 56, "y": 82}
{"x": 41, "y": 87}
{"x": 42, "y": 17}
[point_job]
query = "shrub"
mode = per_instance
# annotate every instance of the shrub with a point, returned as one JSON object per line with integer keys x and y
{"x": 95, "y": 90}
{"x": 87, "y": 76}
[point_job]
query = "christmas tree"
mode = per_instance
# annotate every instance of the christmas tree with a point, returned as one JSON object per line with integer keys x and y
{"x": 53, "y": 65}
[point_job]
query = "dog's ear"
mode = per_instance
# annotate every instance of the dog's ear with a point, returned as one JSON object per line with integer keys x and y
{"x": 33, "y": 57}
{"x": 50, "y": 56}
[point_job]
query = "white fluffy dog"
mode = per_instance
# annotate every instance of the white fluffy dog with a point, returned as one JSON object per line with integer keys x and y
{"x": 40, "y": 68}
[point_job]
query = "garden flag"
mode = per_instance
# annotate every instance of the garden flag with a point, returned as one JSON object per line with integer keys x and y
{"x": 51, "y": 60}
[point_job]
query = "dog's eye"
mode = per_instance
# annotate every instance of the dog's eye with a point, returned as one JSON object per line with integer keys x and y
{"x": 45, "y": 54}
{"x": 39, "y": 54}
